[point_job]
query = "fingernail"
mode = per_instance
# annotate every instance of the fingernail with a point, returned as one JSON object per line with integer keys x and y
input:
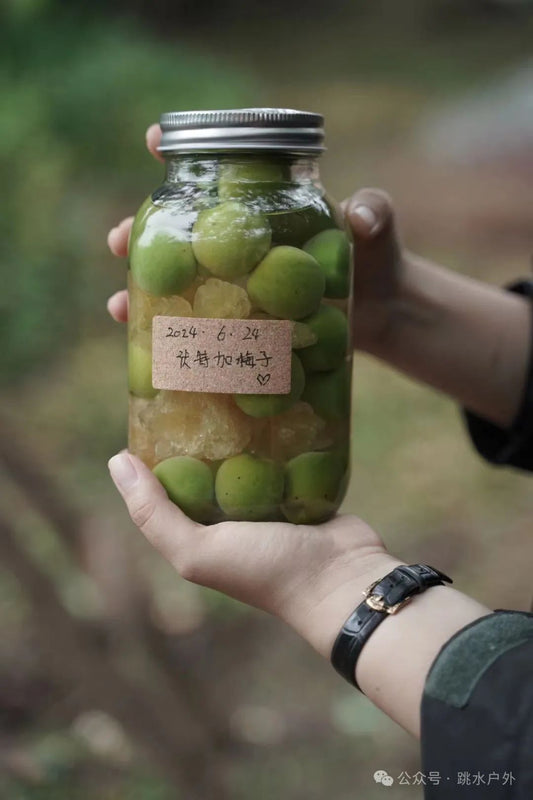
{"x": 123, "y": 471}
{"x": 368, "y": 216}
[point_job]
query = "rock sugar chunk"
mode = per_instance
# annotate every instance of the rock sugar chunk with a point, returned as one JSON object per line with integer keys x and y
{"x": 221, "y": 300}
{"x": 140, "y": 440}
{"x": 143, "y": 307}
{"x": 287, "y": 434}
{"x": 205, "y": 426}
{"x": 302, "y": 335}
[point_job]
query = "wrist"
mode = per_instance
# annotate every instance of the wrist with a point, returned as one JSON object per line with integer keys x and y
{"x": 393, "y": 664}
{"x": 326, "y": 602}
{"x": 395, "y": 661}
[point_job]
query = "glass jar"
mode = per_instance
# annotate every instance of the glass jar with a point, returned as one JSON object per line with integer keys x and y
{"x": 239, "y": 321}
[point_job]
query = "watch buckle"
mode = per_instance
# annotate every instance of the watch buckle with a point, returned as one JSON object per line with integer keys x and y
{"x": 377, "y": 603}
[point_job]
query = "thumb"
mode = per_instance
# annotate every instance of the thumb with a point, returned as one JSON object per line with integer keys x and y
{"x": 369, "y": 212}
{"x": 370, "y": 216}
{"x": 165, "y": 526}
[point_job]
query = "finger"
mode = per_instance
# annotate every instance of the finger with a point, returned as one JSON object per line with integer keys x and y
{"x": 370, "y": 215}
{"x": 165, "y": 526}
{"x": 369, "y": 212}
{"x": 118, "y": 237}
{"x": 153, "y": 139}
{"x": 117, "y": 305}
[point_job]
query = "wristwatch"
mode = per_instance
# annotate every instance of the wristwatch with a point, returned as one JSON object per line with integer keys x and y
{"x": 382, "y": 598}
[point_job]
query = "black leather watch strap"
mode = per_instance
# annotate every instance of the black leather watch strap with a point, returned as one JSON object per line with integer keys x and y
{"x": 382, "y": 598}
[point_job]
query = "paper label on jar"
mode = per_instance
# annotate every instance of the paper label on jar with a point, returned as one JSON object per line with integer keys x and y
{"x": 229, "y": 356}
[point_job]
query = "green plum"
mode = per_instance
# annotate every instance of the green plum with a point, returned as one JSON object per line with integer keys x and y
{"x": 332, "y": 251}
{"x": 249, "y": 488}
{"x": 249, "y": 178}
{"x": 230, "y": 239}
{"x": 190, "y": 484}
{"x": 330, "y": 326}
{"x": 297, "y": 226}
{"x": 266, "y": 405}
{"x": 140, "y": 371}
{"x": 288, "y": 283}
{"x": 314, "y": 484}
{"x": 145, "y": 211}
{"x": 162, "y": 263}
{"x": 329, "y": 393}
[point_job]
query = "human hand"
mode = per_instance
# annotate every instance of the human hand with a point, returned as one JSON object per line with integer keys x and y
{"x": 379, "y": 265}
{"x": 311, "y": 577}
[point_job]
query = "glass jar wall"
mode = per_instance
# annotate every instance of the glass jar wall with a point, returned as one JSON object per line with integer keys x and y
{"x": 249, "y": 237}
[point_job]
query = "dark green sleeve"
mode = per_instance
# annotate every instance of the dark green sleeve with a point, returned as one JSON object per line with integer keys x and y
{"x": 477, "y": 712}
{"x": 512, "y": 446}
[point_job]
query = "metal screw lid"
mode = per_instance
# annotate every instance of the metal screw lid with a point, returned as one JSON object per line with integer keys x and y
{"x": 244, "y": 129}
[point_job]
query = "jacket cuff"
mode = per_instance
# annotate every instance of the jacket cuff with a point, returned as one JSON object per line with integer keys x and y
{"x": 512, "y": 446}
{"x": 477, "y": 712}
{"x": 466, "y": 657}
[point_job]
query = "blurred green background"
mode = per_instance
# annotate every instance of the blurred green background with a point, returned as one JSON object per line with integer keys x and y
{"x": 118, "y": 680}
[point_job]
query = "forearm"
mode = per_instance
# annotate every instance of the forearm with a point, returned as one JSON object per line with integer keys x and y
{"x": 395, "y": 661}
{"x": 463, "y": 337}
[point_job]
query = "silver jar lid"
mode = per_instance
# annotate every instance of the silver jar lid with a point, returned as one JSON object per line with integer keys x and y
{"x": 243, "y": 129}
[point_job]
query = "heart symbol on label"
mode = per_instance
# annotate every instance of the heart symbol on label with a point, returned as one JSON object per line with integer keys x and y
{"x": 263, "y": 379}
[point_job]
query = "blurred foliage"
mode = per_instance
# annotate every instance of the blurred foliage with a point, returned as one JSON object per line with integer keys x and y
{"x": 76, "y": 97}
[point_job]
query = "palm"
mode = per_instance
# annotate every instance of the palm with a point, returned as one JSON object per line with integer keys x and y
{"x": 265, "y": 564}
